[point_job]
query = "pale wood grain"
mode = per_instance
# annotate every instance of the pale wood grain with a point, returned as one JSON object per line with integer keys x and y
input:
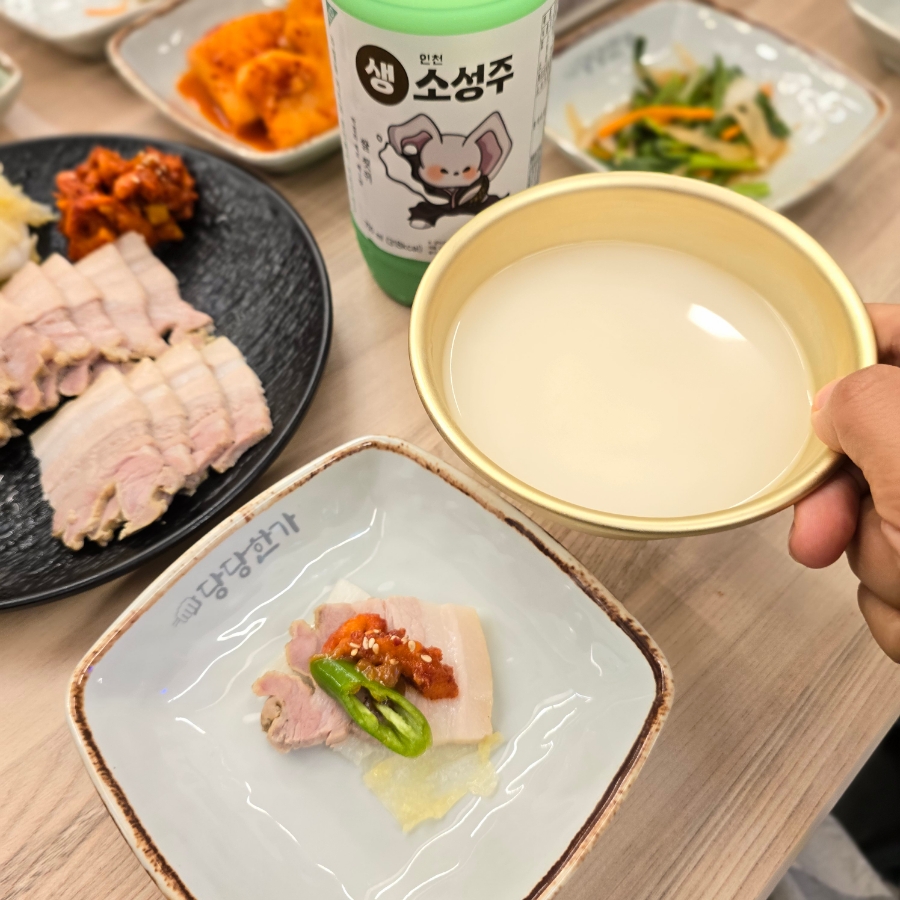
{"x": 780, "y": 693}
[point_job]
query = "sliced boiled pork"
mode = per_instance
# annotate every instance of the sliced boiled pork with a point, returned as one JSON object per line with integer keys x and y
{"x": 45, "y": 309}
{"x": 86, "y": 309}
{"x": 298, "y": 715}
{"x": 100, "y": 465}
{"x": 168, "y": 419}
{"x": 209, "y": 422}
{"x": 167, "y": 311}
{"x": 250, "y": 419}
{"x": 124, "y": 300}
{"x": 26, "y": 353}
{"x": 455, "y": 629}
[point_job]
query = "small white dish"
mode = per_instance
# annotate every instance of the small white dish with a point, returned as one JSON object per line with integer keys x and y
{"x": 880, "y": 22}
{"x": 10, "y": 83}
{"x": 81, "y": 27}
{"x": 150, "y": 55}
{"x": 163, "y": 714}
{"x": 833, "y": 114}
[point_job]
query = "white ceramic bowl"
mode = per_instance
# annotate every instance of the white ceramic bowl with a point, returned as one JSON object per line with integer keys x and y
{"x": 832, "y": 113}
{"x": 12, "y": 84}
{"x": 77, "y": 26}
{"x": 163, "y": 714}
{"x": 880, "y": 21}
{"x": 150, "y": 55}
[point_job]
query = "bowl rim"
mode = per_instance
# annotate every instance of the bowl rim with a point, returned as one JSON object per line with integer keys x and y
{"x": 319, "y": 144}
{"x": 582, "y": 517}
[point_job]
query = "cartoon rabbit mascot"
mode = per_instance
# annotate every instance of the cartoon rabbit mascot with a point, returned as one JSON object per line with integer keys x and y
{"x": 451, "y": 173}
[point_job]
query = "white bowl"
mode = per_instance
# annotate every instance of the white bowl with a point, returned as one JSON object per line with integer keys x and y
{"x": 150, "y": 54}
{"x": 77, "y": 26}
{"x": 11, "y": 87}
{"x": 163, "y": 714}
{"x": 880, "y": 21}
{"x": 833, "y": 114}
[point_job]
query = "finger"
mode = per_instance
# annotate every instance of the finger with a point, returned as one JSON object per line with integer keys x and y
{"x": 872, "y": 556}
{"x": 886, "y": 322}
{"x": 883, "y": 621}
{"x": 860, "y": 416}
{"x": 824, "y": 522}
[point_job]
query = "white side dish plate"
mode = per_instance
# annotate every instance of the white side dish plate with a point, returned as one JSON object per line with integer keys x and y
{"x": 150, "y": 55}
{"x": 832, "y": 114}
{"x": 78, "y": 26}
{"x": 880, "y": 21}
{"x": 163, "y": 714}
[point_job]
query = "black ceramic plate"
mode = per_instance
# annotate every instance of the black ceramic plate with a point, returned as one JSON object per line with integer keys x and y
{"x": 249, "y": 261}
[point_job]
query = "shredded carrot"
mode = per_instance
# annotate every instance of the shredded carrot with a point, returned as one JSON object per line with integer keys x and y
{"x": 107, "y": 10}
{"x": 767, "y": 89}
{"x": 657, "y": 113}
{"x": 731, "y": 132}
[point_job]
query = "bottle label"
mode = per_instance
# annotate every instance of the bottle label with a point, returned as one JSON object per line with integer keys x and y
{"x": 436, "y": 129}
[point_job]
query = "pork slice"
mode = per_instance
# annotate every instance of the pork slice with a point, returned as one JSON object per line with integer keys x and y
{"x": 209, "y": 423}
{"x": 456, "y": 630}
{"x": 50, "y": 386}
{"x": 303, "y": 644}
{"x": 74, "y": 380}
{"x": 100, "y": 466}
{"x": 168, "y": 312}
{"x": 296, "y": 715}
{"x": 168, "y": 418}
{"x": 46, "y": 311}
{"x": 124, "y": 300}
{"x": 86, "y": 308}
{"x": 26, "y": 354}
{"x": 245, "y": 396}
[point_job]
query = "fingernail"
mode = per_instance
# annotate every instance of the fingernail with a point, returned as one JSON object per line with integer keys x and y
{"x": 822, "y": 396}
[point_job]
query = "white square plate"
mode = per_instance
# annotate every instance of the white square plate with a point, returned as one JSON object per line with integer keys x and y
{"x": 79, "y": 26}
{"x": 832, "y": 114}
{"x": 163, "y": 713}
{"x": 150, "y": 55}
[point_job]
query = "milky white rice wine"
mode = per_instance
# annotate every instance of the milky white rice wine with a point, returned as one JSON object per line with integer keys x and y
{"x": 629, "y": 378}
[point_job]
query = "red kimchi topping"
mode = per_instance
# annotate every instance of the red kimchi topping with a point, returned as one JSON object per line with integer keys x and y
{"x": 385, "y": 656}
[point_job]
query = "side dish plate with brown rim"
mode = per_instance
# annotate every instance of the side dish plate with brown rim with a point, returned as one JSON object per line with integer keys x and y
{"x": 162, "y": 710}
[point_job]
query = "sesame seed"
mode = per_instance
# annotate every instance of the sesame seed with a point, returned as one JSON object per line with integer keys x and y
{"x": 354, "y": 652}
{"x": 375, "y": 648}
{"x": 354, "y": 646}
{"x": 412, "y": 646}
{"x": 426, "y": 657}
{"x": 393, "y": 662}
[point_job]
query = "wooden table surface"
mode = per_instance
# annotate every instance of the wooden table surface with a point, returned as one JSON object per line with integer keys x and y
{"x": 780, "y": 693}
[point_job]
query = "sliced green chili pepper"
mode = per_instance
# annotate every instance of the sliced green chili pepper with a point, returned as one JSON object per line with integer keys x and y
{"x": 389, "y": 717}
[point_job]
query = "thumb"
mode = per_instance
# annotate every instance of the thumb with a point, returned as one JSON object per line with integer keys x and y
{"x": 860, "y": 416}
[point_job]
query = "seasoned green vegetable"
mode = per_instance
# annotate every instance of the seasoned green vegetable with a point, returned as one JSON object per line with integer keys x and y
{"x": 388, "y": 716}
{"x": 705, "y": 121}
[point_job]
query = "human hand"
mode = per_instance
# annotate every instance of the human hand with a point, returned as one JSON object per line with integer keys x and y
{"x": 858, "y": 510}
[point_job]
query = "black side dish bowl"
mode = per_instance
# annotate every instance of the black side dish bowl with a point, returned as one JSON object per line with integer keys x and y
{"x": 248, "y": 260}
